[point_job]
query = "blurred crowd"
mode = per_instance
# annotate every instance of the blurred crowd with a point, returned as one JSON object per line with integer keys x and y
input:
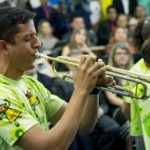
{"x": 103, "y": 29}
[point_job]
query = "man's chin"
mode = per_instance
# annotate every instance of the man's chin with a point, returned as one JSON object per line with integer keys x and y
{"x": 29, "y": 67}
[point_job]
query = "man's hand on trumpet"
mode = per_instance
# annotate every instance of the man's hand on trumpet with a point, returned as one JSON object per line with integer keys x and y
{"x": 103, "y": 79}
{"x": 90, "y": 73}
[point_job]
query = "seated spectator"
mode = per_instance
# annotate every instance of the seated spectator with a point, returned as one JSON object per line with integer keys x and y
{"x": 140, "y": 12}
{"x": 106, "y": 27}
{"x": 45, "y": 34}
{"x": 122, "y": 21}
{"x": 120, "y": 35}
{"x": 112, "y": 104}
{"x": 53, "y": 16}
{"x": 77, "y": 22}
{"x": 120, "y": 57}
{"x": 81, "y": 8}
{"x": 112, "y": 131}
{"x": 80, "y": 42}
{"x": 107, "y": 134}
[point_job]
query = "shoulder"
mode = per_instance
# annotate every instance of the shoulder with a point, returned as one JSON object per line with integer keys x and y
{"x": 139, "y": 66}
{"x": 28, "y": 78}
{"x": 32, "y": 82}
{"x": 65, "y": 51}
{"x": 66, "y": 47}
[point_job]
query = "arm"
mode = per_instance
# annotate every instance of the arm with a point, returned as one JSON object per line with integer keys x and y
{"x": 90, "y": 114}
{"x": 114, "y": 99}
{"x": 65, "y": 51}
{"x": 89, "y": 117}
{"x": 62, "y": 134}
{"x": 92, "y": 111}
{"x": 126, "y": 109}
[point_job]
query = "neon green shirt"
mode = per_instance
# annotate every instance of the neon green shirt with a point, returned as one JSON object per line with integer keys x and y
{"x": 140, "y": 109}
{"x": 24, "y": 104}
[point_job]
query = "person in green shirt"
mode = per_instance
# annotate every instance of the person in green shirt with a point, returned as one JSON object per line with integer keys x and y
{"x": 26, "y": 106}
{"x": 139, "y": 108}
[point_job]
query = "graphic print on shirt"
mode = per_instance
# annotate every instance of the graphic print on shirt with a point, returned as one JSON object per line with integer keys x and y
{"x": 145, "y": 121}
{"x": 10, "y": 113}
{"x": 32, "y": 100}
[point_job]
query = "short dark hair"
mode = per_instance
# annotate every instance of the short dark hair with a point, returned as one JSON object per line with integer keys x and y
{"x": 10, "y": 18}
{"x": 111, "y": 7}
{"x": 145, "y": 49}
{"x": 141, "y": 32}
{"x": 74, "y": 16}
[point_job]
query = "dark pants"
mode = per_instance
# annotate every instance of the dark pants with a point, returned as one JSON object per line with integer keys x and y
{"x": 106, "y": 135}
{"x": 82, "y": 142}
{"x": 139, "y": 143}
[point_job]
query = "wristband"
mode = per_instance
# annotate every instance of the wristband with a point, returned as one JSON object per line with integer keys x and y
{"x": 95, "y": 91}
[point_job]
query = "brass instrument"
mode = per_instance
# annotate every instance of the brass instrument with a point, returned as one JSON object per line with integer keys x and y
{"x": 138, "y": 79}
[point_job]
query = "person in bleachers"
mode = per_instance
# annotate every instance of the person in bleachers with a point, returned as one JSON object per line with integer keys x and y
{"x": 120, "y": 35}
{"x": 107, "y": 135}
{"x": 122, "y": 21}
{"x": 106, "y": 27}
{"x": 53, "y": 16}
{"x": 79, "y": 40}
{"x": 120, "y": 57}
{"x": 45, "y": 34}
{"x": 140, "y": 12}
{"x": 77, "y": 22}
{"x": 112, "y": 104}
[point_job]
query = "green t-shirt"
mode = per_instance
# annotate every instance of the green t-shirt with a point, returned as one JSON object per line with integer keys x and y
{"x": 140, "y": 109}
{"x": 24, "y": 104}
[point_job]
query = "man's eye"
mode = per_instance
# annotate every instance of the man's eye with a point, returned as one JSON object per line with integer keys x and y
{"x": 28, "y": 38}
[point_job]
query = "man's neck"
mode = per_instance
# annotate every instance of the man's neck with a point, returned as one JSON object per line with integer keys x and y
{"x": 8, "y": 72}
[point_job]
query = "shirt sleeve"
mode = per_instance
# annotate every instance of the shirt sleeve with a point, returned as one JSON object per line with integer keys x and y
{"x": 52, "y": 104}
{"x": 14, "y": 121}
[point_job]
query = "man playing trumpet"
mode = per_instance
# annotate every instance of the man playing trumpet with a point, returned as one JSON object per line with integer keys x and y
{"x": 26, "y": 105}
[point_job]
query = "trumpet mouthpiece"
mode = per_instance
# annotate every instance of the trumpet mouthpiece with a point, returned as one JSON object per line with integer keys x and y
{"x": 37, "y": 54}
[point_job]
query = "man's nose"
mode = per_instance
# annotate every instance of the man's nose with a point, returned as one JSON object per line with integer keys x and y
{"x": 37, "y": 43}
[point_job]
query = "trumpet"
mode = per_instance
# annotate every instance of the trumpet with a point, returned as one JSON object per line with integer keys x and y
{"x": 138, "y": 79}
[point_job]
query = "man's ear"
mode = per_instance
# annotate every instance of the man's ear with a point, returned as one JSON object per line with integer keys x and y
{"x": 3, "y": 47}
